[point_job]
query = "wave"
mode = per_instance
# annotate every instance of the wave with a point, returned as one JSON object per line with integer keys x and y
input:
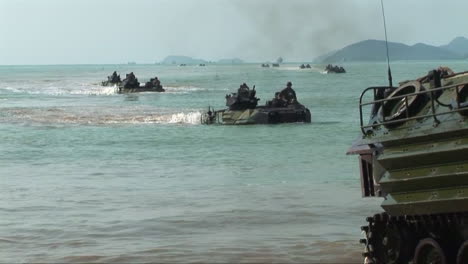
{"x": 287, "y": 250}
{"x": 11, "y": 89}
{"x": 191, "y": 118}
{"x": 94, "y": 116}
{"x": 96, "y": 90}
{"x": 296, "y": 68}
{"x": 183, "y": 89}
{"x": 185, "y": 118}
{"x": 56, "y": 89}
{"x": 60, "y": 89}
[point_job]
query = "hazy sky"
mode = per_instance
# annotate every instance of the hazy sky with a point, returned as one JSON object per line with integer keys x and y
{"x": 117, "y": 31}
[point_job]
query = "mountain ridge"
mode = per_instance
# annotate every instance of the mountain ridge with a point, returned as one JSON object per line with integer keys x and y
{"x": 375, "y": 50}
{"x": 176, "y": 59}
{"x": 458, "y": 45}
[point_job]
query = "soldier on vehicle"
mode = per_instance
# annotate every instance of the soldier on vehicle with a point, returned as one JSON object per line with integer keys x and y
{"x": 288, "y": 94}
{"x": 243, "y": 92}
{"x": 130, "y": 76}
{"x": 131, "y": 81}
{"x": 243, "y": 89}
{"x": 114, "y": 78}
{"x": 156, "y": 81}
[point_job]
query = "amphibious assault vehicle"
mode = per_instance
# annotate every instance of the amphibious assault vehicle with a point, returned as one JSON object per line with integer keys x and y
{"x": 334, "y": 69}
{"x": 131, "y": 85}
{"x": 243, "y": 110}
{"x": 413, "y": 153}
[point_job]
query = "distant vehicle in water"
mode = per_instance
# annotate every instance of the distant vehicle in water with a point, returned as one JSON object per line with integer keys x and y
{"x": 334, "y": 69}
{"x": 202, "y": 65}
{"x": 265, "y": 65}
{"x": 243, "y": 109}
{"x": 275, "y": 65}
{"x": 131, "y": 85}
{"x": 413, "y": 152}
{"x": 183, "y": 64}
{"x": 305, "y": 66}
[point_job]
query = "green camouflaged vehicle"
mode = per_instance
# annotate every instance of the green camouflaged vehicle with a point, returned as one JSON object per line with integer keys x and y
{"x": 259, "y": 115}
{"x": 243, "y": 110}
{"x": 414, "y": 154}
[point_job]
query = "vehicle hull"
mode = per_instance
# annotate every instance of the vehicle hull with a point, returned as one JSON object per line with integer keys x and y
{"x": 259, "y": 115}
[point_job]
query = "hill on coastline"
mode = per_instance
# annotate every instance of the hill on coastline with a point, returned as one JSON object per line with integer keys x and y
{"x": 189, "y": 60}
{"x": 230, "y": 61}
{"x": 181, "y": 60}
{"x": 459, "y": 45}
{"x": 374, "y": 50}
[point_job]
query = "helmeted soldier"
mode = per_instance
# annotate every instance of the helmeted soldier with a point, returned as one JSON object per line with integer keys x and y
{"x": 131, "y": 81}
{"x": 288, "y": 94}
{"x": 243, "y": 93}
{"x": 114, "y": 78}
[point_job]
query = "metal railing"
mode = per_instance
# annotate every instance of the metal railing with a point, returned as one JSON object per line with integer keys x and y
{"x": 433, "y": 100}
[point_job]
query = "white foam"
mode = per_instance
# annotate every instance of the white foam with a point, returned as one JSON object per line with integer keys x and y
{"x": 185, "y": 118}
{"x": 96, "y": 116}
{"x": 183, "y": 89}
{"x": 11, "y": 89}
{"x": 74, "y": 87}
{"x": 57, "y": 89}
{"x": 296, "y": 68}
{"x": 96, "y": 90}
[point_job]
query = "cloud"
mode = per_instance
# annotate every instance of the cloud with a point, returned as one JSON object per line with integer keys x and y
{"x": 301, "y": 28}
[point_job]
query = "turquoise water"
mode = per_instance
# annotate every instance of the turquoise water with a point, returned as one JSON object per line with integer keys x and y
{"x": 89, "y": 175}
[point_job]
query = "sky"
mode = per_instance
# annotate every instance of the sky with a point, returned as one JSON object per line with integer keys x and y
{"x": 146, "y": 31}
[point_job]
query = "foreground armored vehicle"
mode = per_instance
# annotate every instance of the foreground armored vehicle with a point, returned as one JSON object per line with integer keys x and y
{"x": 243, "y": 110}
{"x": 414, "y": 154}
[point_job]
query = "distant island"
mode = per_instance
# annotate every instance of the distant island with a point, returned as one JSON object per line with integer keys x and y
{"x": 189, "y": 60}
{"x": 230, "y": 61}
{"x": 182, "y": 60}
{"x": 374, "y": 50}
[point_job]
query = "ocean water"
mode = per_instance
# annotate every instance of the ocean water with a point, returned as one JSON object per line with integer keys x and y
{"x": 88, "y": 175}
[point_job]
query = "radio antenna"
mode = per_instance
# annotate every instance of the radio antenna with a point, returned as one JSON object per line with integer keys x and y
{"x": 386, "y": 45}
